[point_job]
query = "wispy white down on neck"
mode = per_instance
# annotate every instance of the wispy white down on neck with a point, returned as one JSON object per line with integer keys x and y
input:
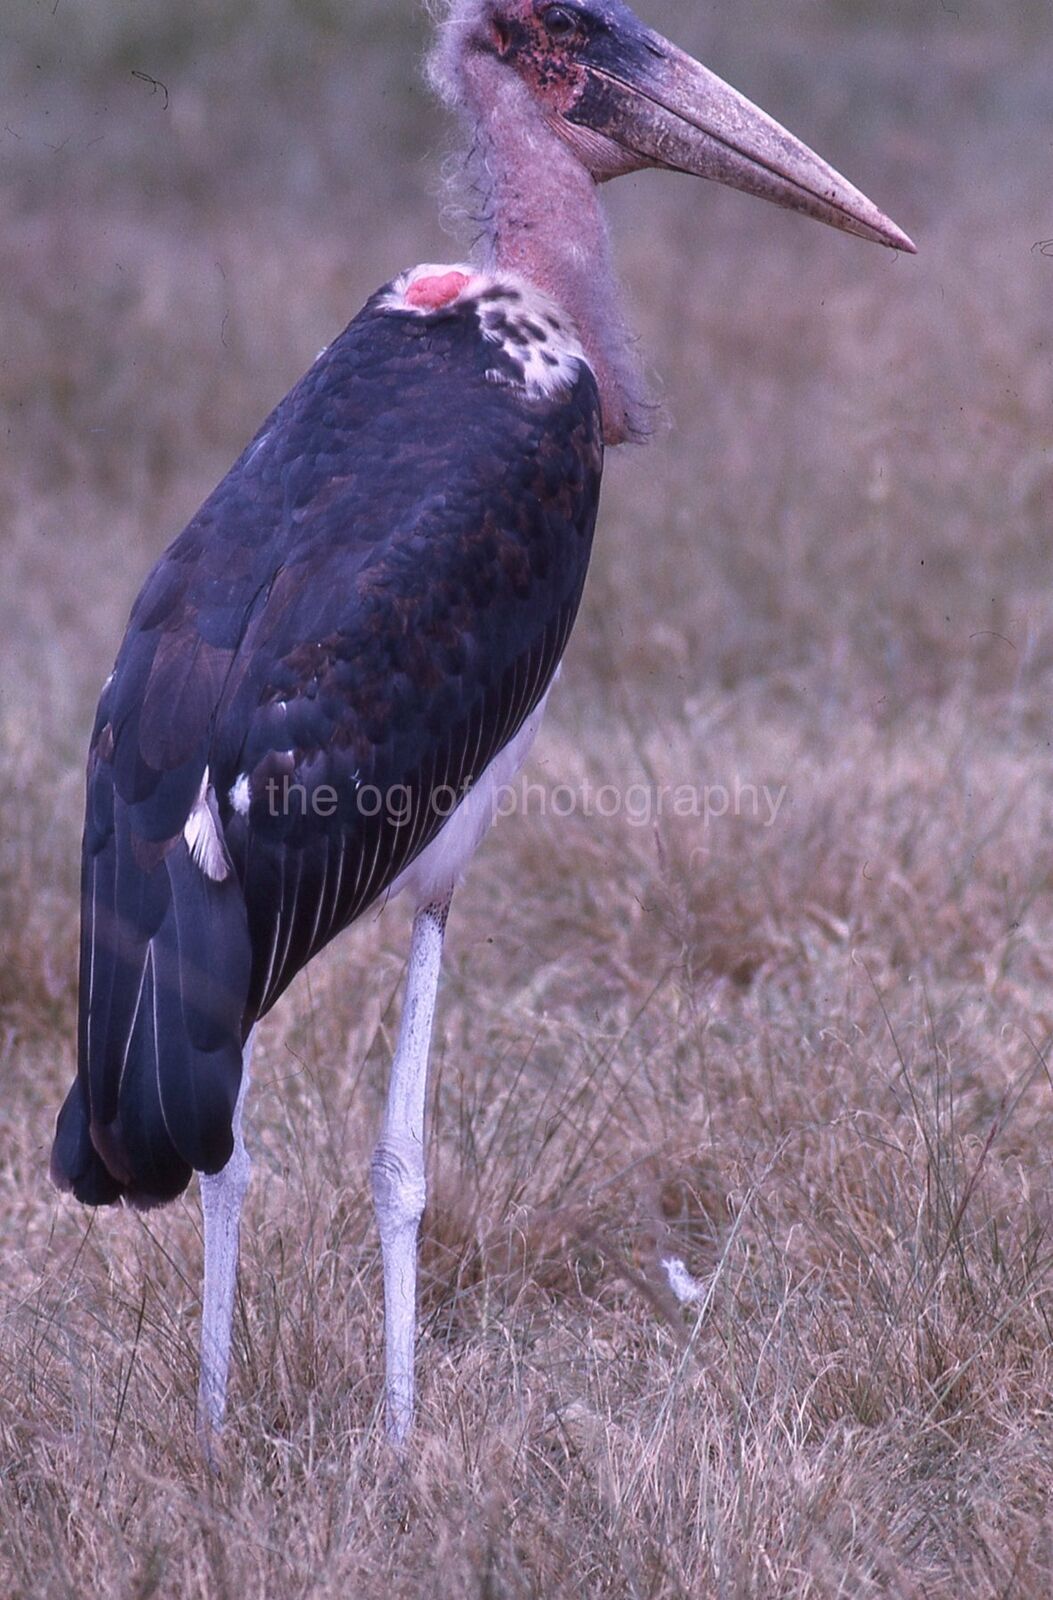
{"x": 537, "y": 208}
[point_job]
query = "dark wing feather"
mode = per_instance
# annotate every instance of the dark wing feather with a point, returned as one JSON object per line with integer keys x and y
{"x": 370, "y": 604}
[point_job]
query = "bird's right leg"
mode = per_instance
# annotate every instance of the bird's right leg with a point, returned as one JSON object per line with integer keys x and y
{"x": 221, "y": 1201}
{"x": 398, "y": 1165}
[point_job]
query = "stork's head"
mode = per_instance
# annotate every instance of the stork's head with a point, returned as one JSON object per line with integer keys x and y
{"x": 621, "y": 97}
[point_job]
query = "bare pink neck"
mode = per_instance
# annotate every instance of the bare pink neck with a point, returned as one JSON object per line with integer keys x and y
{"x": 542, "y": 217}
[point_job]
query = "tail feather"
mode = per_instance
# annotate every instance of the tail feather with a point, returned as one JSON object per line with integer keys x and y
{"x": 200, "y": 990}
{"x": 165, "y": 961}
{"x": 76, "y": 1166}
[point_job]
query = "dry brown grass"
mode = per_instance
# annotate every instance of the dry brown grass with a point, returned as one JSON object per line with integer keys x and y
{"x": 809, "y": 1059}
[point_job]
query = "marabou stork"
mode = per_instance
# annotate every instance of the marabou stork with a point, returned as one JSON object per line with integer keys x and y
{"x": 364, "y": 619}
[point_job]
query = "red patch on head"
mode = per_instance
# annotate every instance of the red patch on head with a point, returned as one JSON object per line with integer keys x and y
{"x": 431, "y": 294}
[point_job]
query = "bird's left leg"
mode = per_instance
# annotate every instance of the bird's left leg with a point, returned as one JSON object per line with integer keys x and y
{"x": 398, "y": 1165}
{"x": 221, "y": 1201}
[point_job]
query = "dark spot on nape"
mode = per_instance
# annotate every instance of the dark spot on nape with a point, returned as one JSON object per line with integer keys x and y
{"x": 495, "y": 322}
{"x": 549, "y": 359}
{"x": 495, "y": 292}
{"x": 509, "y": 371}
{"x": 513, "y": 295}
{"x": 536, "y": 333}
{"x": 554, "y": 323}
{"x": 516, "y": 334}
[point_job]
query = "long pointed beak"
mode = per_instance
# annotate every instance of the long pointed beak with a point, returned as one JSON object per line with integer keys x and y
{"x": 665, "y": 109}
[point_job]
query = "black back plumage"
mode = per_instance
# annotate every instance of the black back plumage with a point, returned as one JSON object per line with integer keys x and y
{"x": 363, "y": 613}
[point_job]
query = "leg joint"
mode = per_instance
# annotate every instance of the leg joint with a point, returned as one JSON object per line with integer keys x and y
{"x": 399, "y": 1189}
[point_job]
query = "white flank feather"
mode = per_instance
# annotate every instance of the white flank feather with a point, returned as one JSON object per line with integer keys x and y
{"x": 202, "y": 835}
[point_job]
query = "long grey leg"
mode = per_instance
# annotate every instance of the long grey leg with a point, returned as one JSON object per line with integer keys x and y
{"x": 221, "y": 1198}
{"x": 398, "y": 1165}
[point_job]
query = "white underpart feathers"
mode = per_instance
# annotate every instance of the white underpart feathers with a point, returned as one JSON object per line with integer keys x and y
{"x": 202, "y": 835}
{"x": 534, "y": 332}
{"x": 442, "y": 864}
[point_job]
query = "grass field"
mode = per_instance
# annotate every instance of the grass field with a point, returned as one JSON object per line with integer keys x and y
{"x": 805, "y": 1054}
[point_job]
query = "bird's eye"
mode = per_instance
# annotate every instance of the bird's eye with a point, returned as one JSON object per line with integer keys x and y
{"x": 560, "y": 22}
